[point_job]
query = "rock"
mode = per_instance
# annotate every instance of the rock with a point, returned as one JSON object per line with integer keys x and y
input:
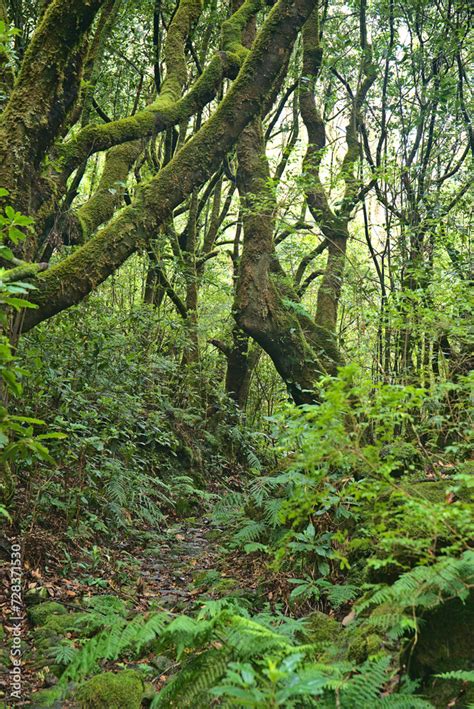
{"x": 445, "y": 644}
{"x": 45, "y": 638}
{"x": 363, "y": 644}
{"x": 63, "y": 623}
{"x": 112, "y": 691}
{"x": 40, "y": 613}
{"x": 51, "y": 633}
{"x": 36, "y": 595}
{"x": 321, "y": 628}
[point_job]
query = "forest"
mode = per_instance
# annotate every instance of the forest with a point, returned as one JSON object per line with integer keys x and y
{"x": 236, "y": 354}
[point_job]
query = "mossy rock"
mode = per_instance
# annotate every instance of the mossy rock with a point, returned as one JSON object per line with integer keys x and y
{"x": 407, "y": 554}
{"x": 446, "y": 641}
{"x": 47, "y": 698}
{"x": 112, "y": 691}
{"x": 41, "y": 613}
{"x": 435, "y": 491}
{"x": 51, "y": 633}
{"x": 448, "y": 693}
{"x": 45, "y": 638}
{"x": 362, "y": 644}
{"x": 62, "y": 623}
{"x": 36, "y": 595}
{"x": 321, "y": 628}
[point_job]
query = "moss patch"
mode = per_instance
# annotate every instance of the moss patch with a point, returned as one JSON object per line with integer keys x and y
{"x": 43, "y": 612}
{"x": 112, "y": 691}
{"x": 321, "y": 628}
{"x": 363, "y": 644}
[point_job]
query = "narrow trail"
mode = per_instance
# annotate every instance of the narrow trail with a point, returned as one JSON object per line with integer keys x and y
{"x": 169, "y": 566}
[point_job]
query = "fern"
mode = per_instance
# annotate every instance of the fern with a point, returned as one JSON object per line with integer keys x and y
{"x": 190, "y": 687}
{"x": 64, "y": 654}
{"x": 251, "y": 531}
{"x": 364, "y": 688}
{"x": 425, "y": 587}
{"x": 462, "y": 675}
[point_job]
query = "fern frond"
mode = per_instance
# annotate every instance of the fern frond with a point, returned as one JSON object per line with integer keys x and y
{"x": 462, "y": 675}
{"x": 189, "y": 688}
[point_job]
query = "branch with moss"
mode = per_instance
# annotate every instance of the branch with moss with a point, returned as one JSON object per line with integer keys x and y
{"x": 23, "y": 271}
{"x": 77, "y": 226}
{"x": 235, "y": 26}
{"x": 169, "y": 109}
{"x": 80, "y": 225}
{"x": 333, "y": 223}
{"x": 72, "y": 279}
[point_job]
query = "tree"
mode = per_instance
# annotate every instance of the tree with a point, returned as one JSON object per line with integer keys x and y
{"x": 187, "y": 144}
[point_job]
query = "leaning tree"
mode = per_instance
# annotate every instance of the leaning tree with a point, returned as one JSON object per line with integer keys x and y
{"x": 163, "y": 154}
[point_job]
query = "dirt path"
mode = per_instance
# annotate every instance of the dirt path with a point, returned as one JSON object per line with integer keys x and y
{"x": 169, "y": 566}
{"x": 163, "y": 576}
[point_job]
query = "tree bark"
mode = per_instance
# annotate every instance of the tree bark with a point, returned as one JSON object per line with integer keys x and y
{"x": 71, "y": 280}
{"x": 267, "y": 308}
{"x": 45, "y": 90}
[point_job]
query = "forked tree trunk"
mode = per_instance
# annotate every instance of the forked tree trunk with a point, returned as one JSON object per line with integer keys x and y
{"x": 267, "y": 307}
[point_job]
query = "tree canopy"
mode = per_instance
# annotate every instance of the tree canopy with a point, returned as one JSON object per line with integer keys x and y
{"x": 236, "y": 262}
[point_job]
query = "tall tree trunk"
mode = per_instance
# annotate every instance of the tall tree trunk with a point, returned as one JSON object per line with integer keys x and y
{"x": 267, "y": 307}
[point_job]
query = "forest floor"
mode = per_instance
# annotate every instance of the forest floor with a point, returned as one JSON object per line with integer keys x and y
{"x": 174, "y": 569}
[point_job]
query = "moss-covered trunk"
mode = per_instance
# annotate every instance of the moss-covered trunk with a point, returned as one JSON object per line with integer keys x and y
{"x": 45, "y": 90}
{"x": 71, "y": 280}
{"x": 267, "y": 308}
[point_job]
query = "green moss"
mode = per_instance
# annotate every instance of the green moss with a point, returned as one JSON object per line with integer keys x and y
{"x": 233, "y": 28}
{"x": 103, "y": 203}
{"x": 112, "y": 691}
{"x": 47, "y": 84}
{"x": 61, "y": 624}
{"x": 363, "y": 644}
{"x": 321, "y": 628}
{"x": 36, "y": 595}
{"x": 51, "y": 633}
{"x": 41, "y": 613}
{"x": 77, "y": 275}
{"x": 164, "y": 111}
{"x": 45, "y": 638}
{"x": 45, "y": 697}
{"x": 435, "y": 491}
